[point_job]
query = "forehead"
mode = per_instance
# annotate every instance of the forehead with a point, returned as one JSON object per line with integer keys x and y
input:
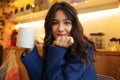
{"x": 60, "y": 15}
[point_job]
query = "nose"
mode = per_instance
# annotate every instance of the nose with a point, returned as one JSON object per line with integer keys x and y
{"x": 61, "y": 27}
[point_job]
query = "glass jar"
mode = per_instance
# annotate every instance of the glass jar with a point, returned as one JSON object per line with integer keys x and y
{"x": 113, "y": 44}
{"x": 118, "y": 44}
{"x": 100, "y": 43}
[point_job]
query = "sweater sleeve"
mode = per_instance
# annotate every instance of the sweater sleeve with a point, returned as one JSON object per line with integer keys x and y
{"x": 33, "y": 64}
{"x": 55, "y": 61}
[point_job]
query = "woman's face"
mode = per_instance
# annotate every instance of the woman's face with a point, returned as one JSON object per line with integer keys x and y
{"x": 61, "y": 25}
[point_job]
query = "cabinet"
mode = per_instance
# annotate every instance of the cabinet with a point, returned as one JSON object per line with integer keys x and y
{"x": 108, "y": 63}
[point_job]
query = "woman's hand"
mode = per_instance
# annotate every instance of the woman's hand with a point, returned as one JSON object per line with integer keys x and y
{"x": 64, "y": 41}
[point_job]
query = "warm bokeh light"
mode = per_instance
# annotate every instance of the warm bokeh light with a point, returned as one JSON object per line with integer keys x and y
{"x": 30, "y": 24}
{"x": 99, "y": 13}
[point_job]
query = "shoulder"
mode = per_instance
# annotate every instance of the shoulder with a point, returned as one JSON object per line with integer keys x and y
{"x": 89, "y": 47}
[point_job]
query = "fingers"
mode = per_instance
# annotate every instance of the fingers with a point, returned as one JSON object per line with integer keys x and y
{"x": 64, "y": 41}
{"x": 70, "y": 41}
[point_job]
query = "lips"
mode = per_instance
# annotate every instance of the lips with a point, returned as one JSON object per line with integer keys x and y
{"x": 60, "y": 34}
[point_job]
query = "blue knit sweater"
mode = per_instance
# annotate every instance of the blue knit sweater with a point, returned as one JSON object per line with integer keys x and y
{"x": 60, "y": 65}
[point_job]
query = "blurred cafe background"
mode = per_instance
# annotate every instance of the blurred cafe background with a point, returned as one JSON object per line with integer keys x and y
{"x": 100, "y": 20}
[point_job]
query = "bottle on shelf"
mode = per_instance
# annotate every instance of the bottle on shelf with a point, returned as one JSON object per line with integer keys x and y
{"x": 99, "y": 40}
{"x": 113, "y": 44}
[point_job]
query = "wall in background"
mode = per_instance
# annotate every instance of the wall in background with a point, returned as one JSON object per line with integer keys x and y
{"x": 107, "y": 21}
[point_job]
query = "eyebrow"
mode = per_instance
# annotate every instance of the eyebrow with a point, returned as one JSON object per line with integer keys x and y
{"x": 61, "y": 20}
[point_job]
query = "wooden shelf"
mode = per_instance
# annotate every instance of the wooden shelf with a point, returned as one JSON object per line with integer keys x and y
{"x": 81, "y": 7}
{"x": 35, "y": 16}
{"x": 108, "y": 53}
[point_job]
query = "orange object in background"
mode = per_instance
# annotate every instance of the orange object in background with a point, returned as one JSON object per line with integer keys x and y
{"x": 13, "y": 74}
{"x": 14, "y": 37}
{"x": 9, "y": 69}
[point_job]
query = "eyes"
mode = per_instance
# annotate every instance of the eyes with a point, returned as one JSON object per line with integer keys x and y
{"x": 64, "y": 22}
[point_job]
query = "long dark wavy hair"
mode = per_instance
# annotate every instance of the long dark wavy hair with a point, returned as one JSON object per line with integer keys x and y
{"x": 78, "y": 48}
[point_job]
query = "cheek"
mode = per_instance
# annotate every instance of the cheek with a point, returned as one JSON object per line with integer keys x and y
{"x": 69, "y": 29}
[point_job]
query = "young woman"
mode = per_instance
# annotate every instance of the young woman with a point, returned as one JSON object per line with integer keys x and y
{"x": 67, "y": 53}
